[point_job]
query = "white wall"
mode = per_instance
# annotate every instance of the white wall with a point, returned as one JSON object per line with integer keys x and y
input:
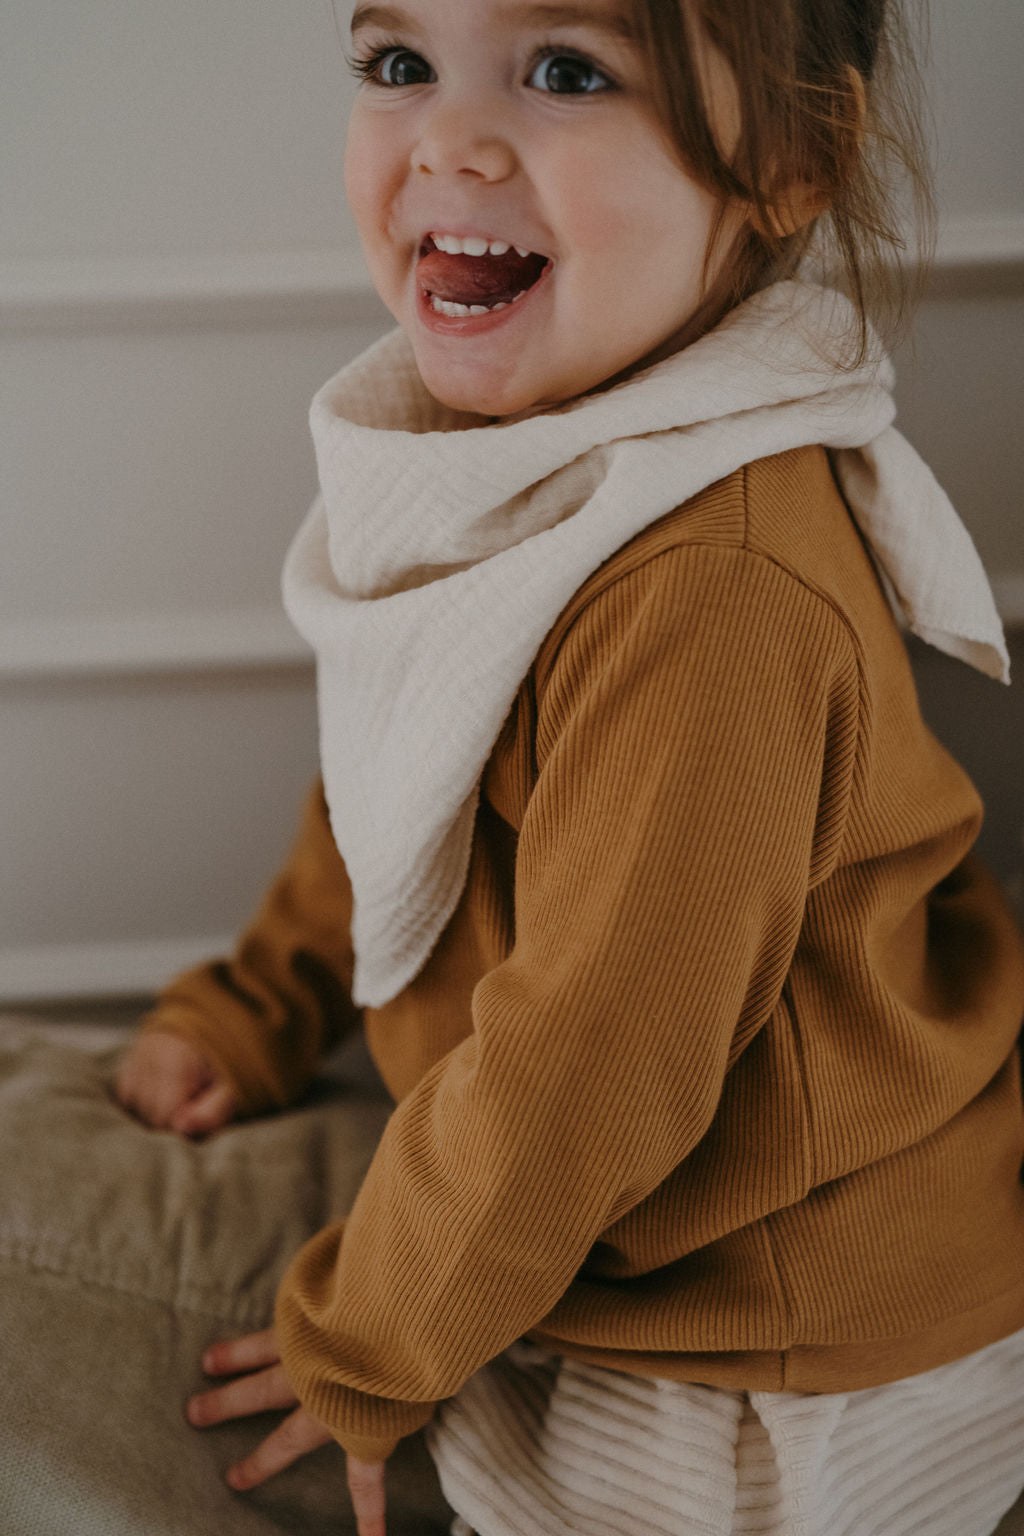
{"x": 177, "y": 276}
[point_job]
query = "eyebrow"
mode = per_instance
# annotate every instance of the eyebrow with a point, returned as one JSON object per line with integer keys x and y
{"x": 616, "y": 20}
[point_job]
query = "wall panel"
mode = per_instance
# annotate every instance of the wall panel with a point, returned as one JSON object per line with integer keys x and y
{"x": 177, "y": 276}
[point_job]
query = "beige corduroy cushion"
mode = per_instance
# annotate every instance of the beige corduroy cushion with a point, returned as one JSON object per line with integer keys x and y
{"x": 123, "y": 1253}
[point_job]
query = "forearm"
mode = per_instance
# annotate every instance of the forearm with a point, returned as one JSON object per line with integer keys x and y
{"x": 266, "y": 1014}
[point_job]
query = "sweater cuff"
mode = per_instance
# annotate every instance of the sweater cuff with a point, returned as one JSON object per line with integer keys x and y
{"x": 366, "y": 1425}
{"x": 368, "y": 1428}
{"x": 364, "y": 1448}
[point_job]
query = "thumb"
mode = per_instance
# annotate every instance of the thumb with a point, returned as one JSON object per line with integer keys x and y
{"x": 211, "y": 1108}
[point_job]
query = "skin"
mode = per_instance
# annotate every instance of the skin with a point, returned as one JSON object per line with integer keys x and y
{"x": 172, "y": 1085}
{"x": 481, "y": 144}
{"x": 476, "y": 139}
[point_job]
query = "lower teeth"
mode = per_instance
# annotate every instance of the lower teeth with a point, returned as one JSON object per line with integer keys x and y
{"x": 455, "y": 311}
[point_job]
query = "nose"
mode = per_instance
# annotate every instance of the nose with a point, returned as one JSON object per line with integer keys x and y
{"x": 460, "y": 139}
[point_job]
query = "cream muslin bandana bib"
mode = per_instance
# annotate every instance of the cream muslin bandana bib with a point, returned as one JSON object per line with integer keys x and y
{"x": 440, "y": 552}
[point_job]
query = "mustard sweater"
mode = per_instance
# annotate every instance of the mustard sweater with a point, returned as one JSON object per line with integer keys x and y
{"x": 713, "y": 1073}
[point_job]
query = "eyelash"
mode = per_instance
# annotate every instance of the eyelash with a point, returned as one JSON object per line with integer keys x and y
{"x": 365, "y": 66}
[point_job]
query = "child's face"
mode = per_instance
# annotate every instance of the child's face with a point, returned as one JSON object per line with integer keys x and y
{"x": 530, "y": 124}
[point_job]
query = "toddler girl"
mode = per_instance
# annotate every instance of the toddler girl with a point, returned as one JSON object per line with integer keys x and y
{"x": 699, "y": 1210}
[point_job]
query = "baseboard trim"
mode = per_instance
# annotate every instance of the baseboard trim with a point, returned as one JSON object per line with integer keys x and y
{"x": 57, "y": 973}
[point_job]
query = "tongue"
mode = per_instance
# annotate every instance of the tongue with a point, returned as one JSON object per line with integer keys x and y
{"x": 479, "y": 279}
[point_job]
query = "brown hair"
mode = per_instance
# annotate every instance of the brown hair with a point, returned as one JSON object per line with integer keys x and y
{"x": 828, "y": 98}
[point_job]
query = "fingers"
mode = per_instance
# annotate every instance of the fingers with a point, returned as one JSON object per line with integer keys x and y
{"x": 265, "y": 1387}
{"x": 297, "y": 1436}
{"x": 210, "y": 1109}
{"x": 159, "y": 1073}
{"x": 247, "y": 1353}
{"x": 366, "y": 1487}
{"x": 246, "y": 1395}
{"x": 169, "y": 1083}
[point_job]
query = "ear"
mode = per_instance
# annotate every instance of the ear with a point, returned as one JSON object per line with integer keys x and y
{"x": 804, "y": 201}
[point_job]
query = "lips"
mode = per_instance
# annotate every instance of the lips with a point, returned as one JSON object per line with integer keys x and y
{"x": 461, "y": 278}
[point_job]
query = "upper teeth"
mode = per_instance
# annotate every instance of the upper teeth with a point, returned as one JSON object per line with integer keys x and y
{"x": 473, "y": 245}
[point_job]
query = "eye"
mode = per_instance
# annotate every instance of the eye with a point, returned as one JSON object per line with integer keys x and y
{"x": 394, "y": 67}
{"x": 568, "y": 74}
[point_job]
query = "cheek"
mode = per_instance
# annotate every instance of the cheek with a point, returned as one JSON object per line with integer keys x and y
{"x": 369, "y": 175}
{"x": 634, "y": 212}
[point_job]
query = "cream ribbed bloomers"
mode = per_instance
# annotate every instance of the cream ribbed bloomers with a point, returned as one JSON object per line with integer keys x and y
{"x": 534, "y": 1445}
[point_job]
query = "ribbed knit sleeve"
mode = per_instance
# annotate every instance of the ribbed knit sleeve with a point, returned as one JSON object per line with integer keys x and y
{"x": 663, "y": 864}
{"x": 266, "y": 1014}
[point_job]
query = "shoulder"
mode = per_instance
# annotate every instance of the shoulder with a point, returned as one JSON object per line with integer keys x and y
{"x": 747, "y": 548}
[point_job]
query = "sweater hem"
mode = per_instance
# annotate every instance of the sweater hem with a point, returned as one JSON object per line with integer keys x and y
{"x": 847, "y": 1366}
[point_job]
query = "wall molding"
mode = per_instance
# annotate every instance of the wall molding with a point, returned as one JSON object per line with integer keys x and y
{"x": 251, "y": 640}
{"x": 978, "y": 258}
{"x": 981, "y": 242}
{"x": 331, "y": 286}
{"x": 245, "y": 639}
{"x": 1008, "y": 587}
{"x": 187, "y": 292}
{"x": 54, "y": 973}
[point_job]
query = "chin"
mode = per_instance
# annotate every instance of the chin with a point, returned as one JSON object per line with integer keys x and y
{"x": 475, "y": 396}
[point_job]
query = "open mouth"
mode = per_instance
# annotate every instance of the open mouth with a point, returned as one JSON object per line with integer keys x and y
{"x": 463, "y": 275}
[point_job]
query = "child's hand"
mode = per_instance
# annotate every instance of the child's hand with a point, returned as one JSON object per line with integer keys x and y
{"x": 170, "y": 1083}
{"x": 268, "y": 1387}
